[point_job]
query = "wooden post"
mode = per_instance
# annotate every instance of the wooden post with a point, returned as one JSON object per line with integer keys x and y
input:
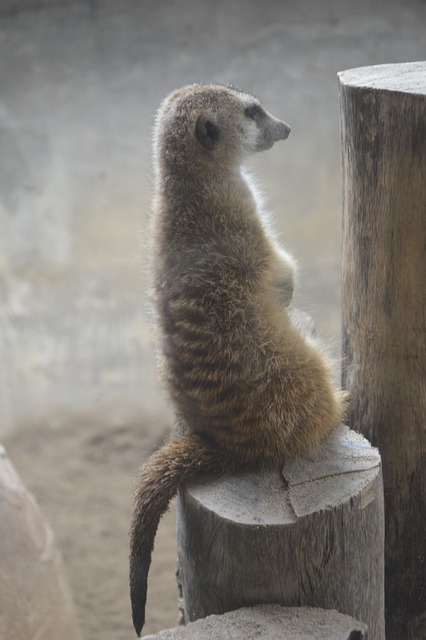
{"x": 383, "y": 114}
{"x": 310, "y": 535}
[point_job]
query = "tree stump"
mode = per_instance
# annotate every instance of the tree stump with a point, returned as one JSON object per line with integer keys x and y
{"x": 383, "y": 112}
{"x": 310, "y": 535}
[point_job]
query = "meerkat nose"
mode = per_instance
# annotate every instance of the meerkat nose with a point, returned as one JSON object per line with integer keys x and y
{"x": 284, "y": 131}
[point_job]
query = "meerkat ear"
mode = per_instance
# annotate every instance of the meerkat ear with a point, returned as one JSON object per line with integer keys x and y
{"x": 207, "y": 132}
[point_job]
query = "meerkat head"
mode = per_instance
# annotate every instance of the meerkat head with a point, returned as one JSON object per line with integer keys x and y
{"x": 214, "y": 123}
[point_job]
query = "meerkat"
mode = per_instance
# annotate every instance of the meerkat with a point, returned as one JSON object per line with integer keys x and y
{"x": 248, "y": 388}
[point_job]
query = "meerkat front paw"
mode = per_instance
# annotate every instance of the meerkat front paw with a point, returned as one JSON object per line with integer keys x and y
{"x": 284, "y": 291}
{"x": 287, "y": 289}
{"x": 282, "y": 275}
{"x": 346, "y": 400}
{"x": 282, "y": 282}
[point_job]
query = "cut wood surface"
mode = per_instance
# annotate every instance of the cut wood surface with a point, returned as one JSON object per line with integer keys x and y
{"x": 270, "y": 623}
{"x": 310, "y": 535}
{"x": 383, "y": 112}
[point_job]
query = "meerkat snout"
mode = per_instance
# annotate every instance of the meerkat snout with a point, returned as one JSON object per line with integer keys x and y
{"x": 284, "y": 131}
{"x": 271, "y": 130}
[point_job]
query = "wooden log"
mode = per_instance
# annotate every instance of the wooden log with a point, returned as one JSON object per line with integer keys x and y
{"x": 311, "y": 535}
{"x": 383, "y": 116}
{"x": 270, "y": 623}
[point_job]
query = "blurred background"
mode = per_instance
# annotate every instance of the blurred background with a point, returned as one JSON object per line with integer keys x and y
{"x": 80, "y": 81}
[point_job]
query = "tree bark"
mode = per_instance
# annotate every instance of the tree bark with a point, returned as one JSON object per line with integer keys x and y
{"x": 311, "y": 535}
{"x": 383, "y": 117}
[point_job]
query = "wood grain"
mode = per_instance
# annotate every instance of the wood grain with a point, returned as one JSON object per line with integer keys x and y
{"x": 383, "y": 114}
{"x": 310, "y": 535}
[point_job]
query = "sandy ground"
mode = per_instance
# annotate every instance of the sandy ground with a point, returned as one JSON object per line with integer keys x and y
{"x": 82, "y": 478}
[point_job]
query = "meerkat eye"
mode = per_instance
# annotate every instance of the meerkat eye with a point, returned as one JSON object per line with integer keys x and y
{"x": 254, "y": 112}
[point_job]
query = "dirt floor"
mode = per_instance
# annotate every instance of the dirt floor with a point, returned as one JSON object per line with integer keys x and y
{"x": 82, "y": 478}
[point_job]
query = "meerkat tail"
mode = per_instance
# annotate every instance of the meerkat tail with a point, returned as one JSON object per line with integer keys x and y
{"x": 180, "y": 459}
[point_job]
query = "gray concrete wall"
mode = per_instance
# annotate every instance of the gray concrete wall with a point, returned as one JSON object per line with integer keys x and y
{"x": 79, "y": 84}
